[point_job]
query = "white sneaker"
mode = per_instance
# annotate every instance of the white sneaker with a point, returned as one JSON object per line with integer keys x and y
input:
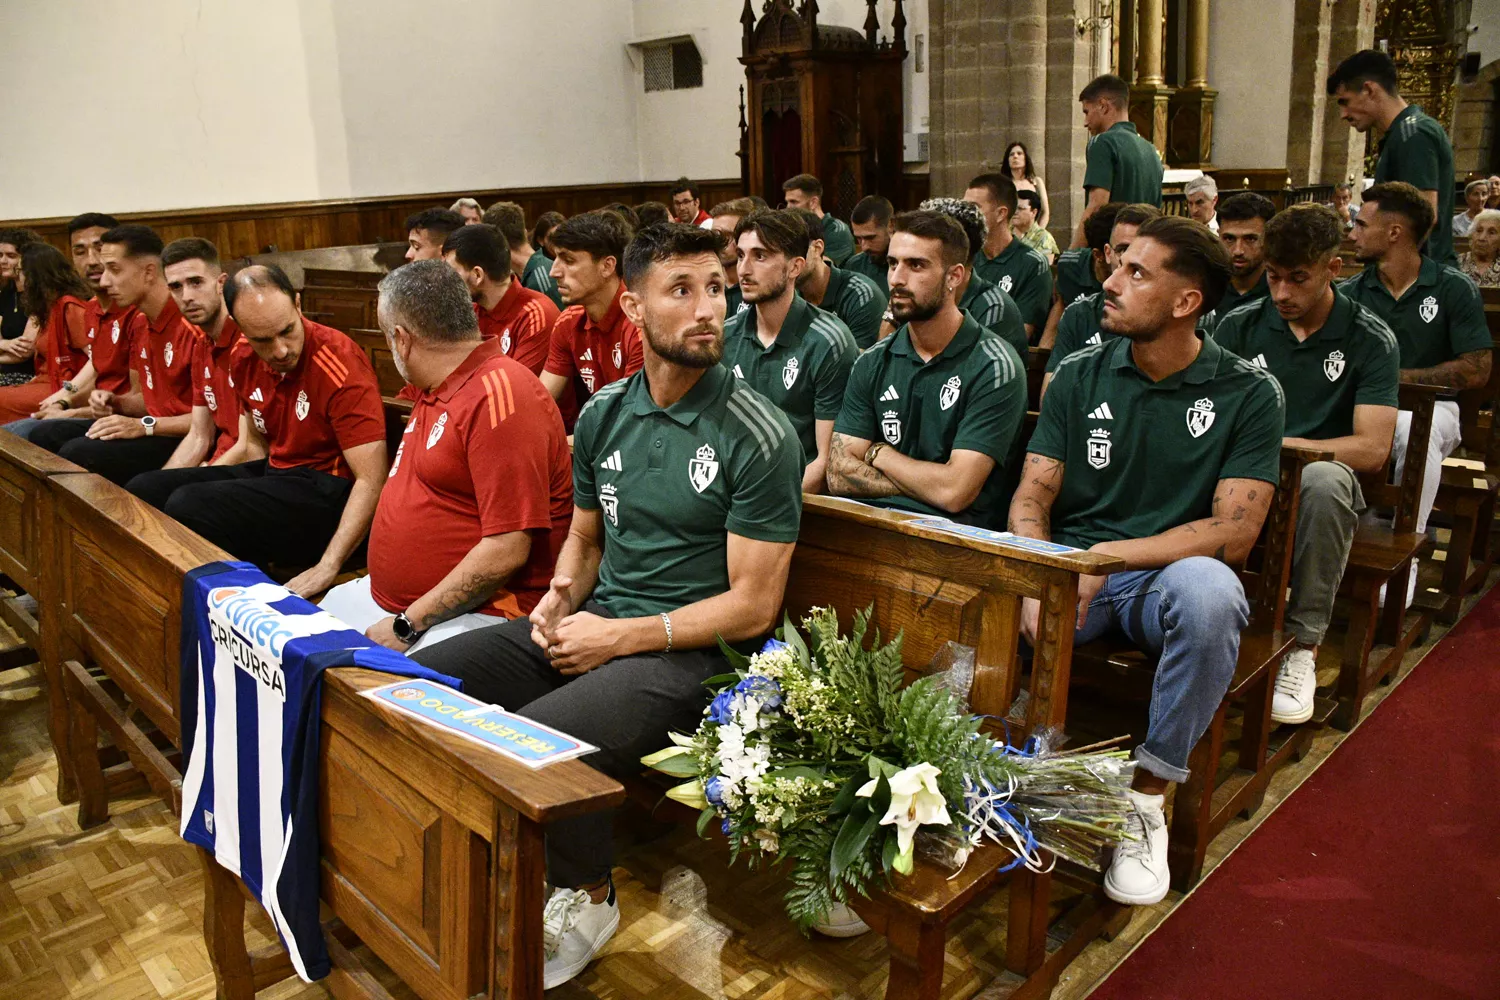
{"x": 1411, "y": 589}
{"x": 841, "y": 922}
{"x": 1138, "y": 874}
{"x": 1296, "y": 683}
{"x": 573, "y": 931}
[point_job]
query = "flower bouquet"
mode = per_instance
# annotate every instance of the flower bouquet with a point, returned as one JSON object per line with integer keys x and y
{"x": 815, "y": 752}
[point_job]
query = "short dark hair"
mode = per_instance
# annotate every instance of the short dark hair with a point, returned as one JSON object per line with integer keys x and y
{"x": 1028, "y": 170}
{"x": 49, "y": 276}
{"x": 430, "y": 300}
{"x": 872, "y": 208}
{"x": 19, "y": 238}
{"x": 440, "y": 221}
{"x": 545, "y": 223}
{"x": 190, "y": 248}
{"x": 263, "y": 277}
{"x": 598, "y": 234}
{"x": 1401, "y": 198}
{"x": 1303, "y": 234}
{"x": 806, "y": 183}
{"x": 660, "y": 243}
{"x": 1109, "y": 87}
{"x": 740, "y": 207}
{"x": 1000, "y": 187}
{"x": 1195, "y": 253}
{"x": 1136, "y": 214}
{"x": 1098, "y": 226}
{"x": 757, "y": 201}
{"x": 138, "y": 240}
{"x": 1370, "y": 65}
{"x": 682, "y": 184}
{"x": 481, "y": 246}
{"x": 812, "y": 222}
{"x": 510, "y": 219}
{"x": 780, "y": 230}
{"x": 625, "y": 212}
{"x": 91, "y": 220}
{"x": 651, "y": 212}
{"x": 935, "y": 225}
{"x": 1029, "y": 197}
{"x": 1244, "y": 206}
{"x": 966, "y": 214}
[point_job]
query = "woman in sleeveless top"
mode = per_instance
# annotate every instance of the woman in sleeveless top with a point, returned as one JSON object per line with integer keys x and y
{"x": 56, "y": 336}
{"x": 1019, "y": 168}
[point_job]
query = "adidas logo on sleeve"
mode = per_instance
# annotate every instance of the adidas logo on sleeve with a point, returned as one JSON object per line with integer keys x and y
{"x": 612, "y": 463}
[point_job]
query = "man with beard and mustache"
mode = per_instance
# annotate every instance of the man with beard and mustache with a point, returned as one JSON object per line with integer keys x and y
{"x": 986, "y": 301}
{"x": 1163, "y": 449}
{"x": 796, "y": 355}
{"x": 932, "y": 412}
{"x": 517, "y": 318}
{"x": 1337, "y": 364}
{"x": 687, "y": 503}
{"x": 1242, "y": 227}
{"x": 856, "y": 300}
{"x": 871, "y": 224}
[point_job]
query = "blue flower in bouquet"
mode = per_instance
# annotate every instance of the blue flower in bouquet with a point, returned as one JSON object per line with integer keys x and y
{"x": 714, "y": 791}
{"x": 762, "y": 689}
{"x": 721, "y": 709}
{"x": 772, "y": 645}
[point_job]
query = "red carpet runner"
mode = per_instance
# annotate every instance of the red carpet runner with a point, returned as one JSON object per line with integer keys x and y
{"x": 1379, "y": 877}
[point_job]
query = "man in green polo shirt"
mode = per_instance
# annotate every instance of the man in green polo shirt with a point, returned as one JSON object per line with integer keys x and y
{"x": 794, "y": 354}
{"x": 1416, "y": 148}
{"x": 687, "y": 503}
{"x": 723, "y": 218}
{"x": 1119, "y": 164}
{"x": 986, "y": 301}
{"x": 1337, "y": 364}
{"x": 853, "y": 298}
{"x": 1163, "y": 449}
{"x": 932, "y": 413}
{"x": 1024, "y": 272}
{"x": 871, "y": 224}
{"x": 806, "y": 191}
{"x": 1435, "y": 310}
{"x": 1242, "y": 227}
{"x": 1081, "y": 271}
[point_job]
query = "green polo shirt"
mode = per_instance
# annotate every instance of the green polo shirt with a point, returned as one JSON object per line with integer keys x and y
{"x": 972, "y": 396}
{"x": 857, "y": 301}
{"x": 1142, "y": 457}
{"x": 1125, "y": 165}
{"x": 877, "y": 269}
{"x": 1026, "y": 275}
{"x": 1438, "y": 318}
{"x": 1080, "y": 327}
{"x": 1075, "y": 275}
{"x": 734, "y": 301}
{"x": 803, "y": 371}
{"x": 538, "y": 277}
{"x": 995, "y": 311}
{"x": 838, "y": 240}
{"x": 1232, "y": 300}
{"x": 673, "y": 482}
{"x": 1417, "y": 150}
{"x": 1351, "y": 361}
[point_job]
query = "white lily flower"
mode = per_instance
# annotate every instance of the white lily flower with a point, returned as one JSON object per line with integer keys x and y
{"x": 915, "y": 801}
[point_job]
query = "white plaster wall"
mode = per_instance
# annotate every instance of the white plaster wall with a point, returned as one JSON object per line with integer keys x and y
{"x": 1250, "y": 64}
{"x": 1485, "y": 14}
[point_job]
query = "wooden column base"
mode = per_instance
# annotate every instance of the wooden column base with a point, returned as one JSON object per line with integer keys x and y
{"x": 1190, "y": 128}
{"x": 1148, "y": 113}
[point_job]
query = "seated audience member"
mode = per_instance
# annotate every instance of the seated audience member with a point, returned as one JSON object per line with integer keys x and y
{"x": 56, "y": 335}
{"x": 870, "y": 223}
{"x": 1481, "y": 262}
{"x": 301, "y": 483}
{"x": 652, "y": 212}
{"x": 1026, "y": 229}
{"x": 806, "y": 191}
{"x": 1120, "y": 165}
{"x": 1475, "y": 195}
{"x": 1022, "y": 173}
{"x": 791, "y": 352}
{"x": 988, "y": 303}
{"x": 16, "y": 367}
{"x": 1436, "y": 313}
{"x": 468, "y": 209}
{"x": 853, "y": 298}
{"x": 663, "y": 558}
{"x": 687, "y": 207}
{"x": 625, "y": 212}
{"x": 931, "y": 413}
{"x": 534, "y": 266}
{"x": 1343, "y": 198}
{"x": 1337, "y": 366}
{"x": 1202, "y": 194}
{"x": 541, "y": 234}
{"x": 144, "y": 426}
{"x": 518, "y": 319}
{"x": 426, "y": 230}
{"x": 1023, "y": 272}
{"x": 1081, "y": 270}
{"x": 1163, "y": 449}
{"x": 725, "y": 216}
{"x": 593, "y": 342}
{"x": 1493, "y": 200}
{"x": 482, "y": 479}
{"x": 1242, "y": 226}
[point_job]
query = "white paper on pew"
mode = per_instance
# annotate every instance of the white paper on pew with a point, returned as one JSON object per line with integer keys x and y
{"x": 988, "y": 535}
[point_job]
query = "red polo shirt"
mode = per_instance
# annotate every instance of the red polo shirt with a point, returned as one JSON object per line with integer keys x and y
{"x": 522, "y": 322}
{"x": 702, "y": 218}
{"x": 592, "y": 355}
{"x": 211, "y": 382}
{"x": 162, "y": 355}
{"x": 326, "y": 405}
{"x": 62, "y": 346}
{"x": 109, "y": 344}
{"x": 484, "y": 454}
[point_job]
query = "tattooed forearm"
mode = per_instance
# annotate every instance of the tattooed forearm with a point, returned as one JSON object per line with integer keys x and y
{"x": 1469, "y": 370}
{"x": 849, "y": 476}
{"x": 469, "y": 592}
{"x": 1031, "y": 507}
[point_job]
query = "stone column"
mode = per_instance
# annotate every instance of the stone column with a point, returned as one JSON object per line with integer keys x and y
{"x": 1149, "y": 94}
{"x": 1307, "y": 113}
{"x": 1351, "y": 28}
{"x": 1073, "y": 59}
{"x": 1190, "y": 132}
{"x": 1197, "y": 32}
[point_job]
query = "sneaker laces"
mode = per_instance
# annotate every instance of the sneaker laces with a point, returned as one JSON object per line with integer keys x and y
{"x": 1294, "y": 674}
{"x": 559, "y": 916}
{"x": 1138, "y": 827}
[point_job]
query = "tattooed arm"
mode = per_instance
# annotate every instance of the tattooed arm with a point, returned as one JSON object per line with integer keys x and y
{"x": 849, "y": 476}
{"x": 481, "y": 572}
{"x": 1239, "y": 510}
{"x": 1469, "y": 370}
{"x": 1031, "y": 507}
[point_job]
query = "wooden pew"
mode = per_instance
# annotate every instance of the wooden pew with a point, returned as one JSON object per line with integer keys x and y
{"x": 1467, "y": 496}
{"x": 373, "y": 343}
{"x": 343, "y": 307}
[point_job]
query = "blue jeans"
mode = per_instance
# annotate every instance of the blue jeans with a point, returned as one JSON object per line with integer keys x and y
{"x": 22, "y": 428}
{"x": 1189, "y": 615}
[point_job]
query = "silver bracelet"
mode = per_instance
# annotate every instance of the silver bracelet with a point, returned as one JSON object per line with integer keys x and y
{"x": 666, "y": 620}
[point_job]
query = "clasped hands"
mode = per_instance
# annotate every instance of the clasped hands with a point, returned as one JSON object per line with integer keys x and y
{"x": 575, "y": 641}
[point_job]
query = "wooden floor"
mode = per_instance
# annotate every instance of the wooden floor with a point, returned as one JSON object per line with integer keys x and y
{"x": 115, "y": 913}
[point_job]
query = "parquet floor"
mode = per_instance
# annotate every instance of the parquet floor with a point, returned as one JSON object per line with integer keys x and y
{"x": 115, "y": 913}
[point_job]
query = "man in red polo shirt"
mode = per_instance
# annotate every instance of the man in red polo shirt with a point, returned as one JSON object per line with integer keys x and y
{"x": 426, "y": 230}
{"x": 300, "y": 485}
{"x": 519, "y": 319}
{"x": 687, "y": 206}
{"x": 480, "y": 494}
{"x": 593, "y": 344}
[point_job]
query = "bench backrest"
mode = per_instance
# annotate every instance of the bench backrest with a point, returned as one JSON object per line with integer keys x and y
{"x": 373, "y": 343}
{"x": 1404, "y": 496}
{"x": 342, "y": 307}
{"x": 26, "y": 509}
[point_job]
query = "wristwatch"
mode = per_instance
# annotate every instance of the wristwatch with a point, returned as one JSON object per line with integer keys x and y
{"x": 149, "y": 422}
{"x": 405, "y": 630}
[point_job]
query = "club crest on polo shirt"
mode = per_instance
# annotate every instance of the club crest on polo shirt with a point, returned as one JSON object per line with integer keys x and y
{"x": 618, "y": 357}
{"x": 302, "y": 405}
{"x": 1428, "y": 309}
{"x": 1333, "y": 365}
{"x": 703, "y": 468}
{"x": 208, "y": 397}
{"x": 166, "y": 354}
{"x": 610, "y": 501}
{"x": 150, "y": 383}
{"x": 587, "y": 374}
{"x": 436, "y": 434}
{"x": 949, "y": 395}
{"x": 1006, "y": 281}
{"x": 789, "y": 373}
{"x": 1200, "y": 417}
{"x": 890, "y": 426}
{"x": 260, "y": 421}
{"x": 504, "y": 345}
{"x": 114, "y": 333}
{"x": 1098, "y": 444}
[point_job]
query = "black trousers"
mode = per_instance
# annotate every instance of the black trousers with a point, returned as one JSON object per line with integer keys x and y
{"x": 625, "y": 708}
{"x": 256, "y": 513}
{"x": 117, "y": 461}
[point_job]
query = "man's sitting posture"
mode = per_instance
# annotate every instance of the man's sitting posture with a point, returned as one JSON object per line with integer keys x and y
{"x": 1242, "y": 227}
{"x": 856, "y": 300}
{"x": 480, "y": 492}
{"x": 533, "y": 265}
{"x": 1081, "y": 271}
{"x": 794, "y": 354}
{"x": 871, "y": 224}
{"x": 989, "y": 304}
{"x": 1161, "y": 448}
{"x": 196, "y": 281}
{"x": 426, "y": 230}
{"x": 1024, "y": 272}
{"x": 515, "y": 317}
{"x": 686, "y": 489}
{"x": 1028, "y": 230}
{"x": 1435, "y": 311}
{"x": 931, "y": 413}
{"x": 301, "y": 483}
{"x": 1337, "y": 363}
